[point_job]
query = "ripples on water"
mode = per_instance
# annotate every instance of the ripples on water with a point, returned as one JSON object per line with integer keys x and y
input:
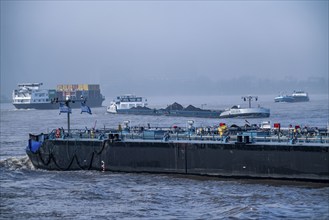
{"x": 28, "y": 193}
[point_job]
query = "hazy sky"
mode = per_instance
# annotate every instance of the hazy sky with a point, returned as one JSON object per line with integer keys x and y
{"x": 166, "y": 47}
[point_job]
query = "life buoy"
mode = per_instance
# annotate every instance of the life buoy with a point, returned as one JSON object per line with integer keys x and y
{"x": 58, "y": 133}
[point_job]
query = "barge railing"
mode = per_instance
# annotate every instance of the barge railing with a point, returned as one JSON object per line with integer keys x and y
{"x": 168, "y": 135}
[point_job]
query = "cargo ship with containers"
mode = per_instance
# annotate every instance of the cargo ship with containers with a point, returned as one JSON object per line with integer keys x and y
{"x": 32, "y": 96}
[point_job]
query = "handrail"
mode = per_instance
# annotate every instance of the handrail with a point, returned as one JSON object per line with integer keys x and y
{"x": 167, "y": 135}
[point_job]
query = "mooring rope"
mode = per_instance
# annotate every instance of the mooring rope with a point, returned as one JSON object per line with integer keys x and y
{"x": 50, "y": 146}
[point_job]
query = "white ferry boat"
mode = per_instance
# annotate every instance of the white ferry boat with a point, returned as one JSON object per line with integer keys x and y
{"x": 126, "y": 102}
{"x": 296, "y": 96}
{"x": 236, "y": 111}
{"x": 29, "y": 95}
{"x": 300, "y": 96}
{"x": 284, "y": 98}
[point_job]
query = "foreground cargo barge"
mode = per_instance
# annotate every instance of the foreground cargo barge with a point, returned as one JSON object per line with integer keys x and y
{"x": 243, "y": 157}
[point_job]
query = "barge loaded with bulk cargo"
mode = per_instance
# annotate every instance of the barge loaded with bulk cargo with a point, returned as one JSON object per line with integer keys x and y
{"x": 136, "y": 105}
{"x": 222, "y": 151}
{"x": 32, "y": 96}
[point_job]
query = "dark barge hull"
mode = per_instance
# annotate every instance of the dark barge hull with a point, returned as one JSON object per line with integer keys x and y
{"x": 44, "y": 106}
{"x": 241, "y": 160}
{"x": 178, "y": 113}
{"x": 247, "y": 115}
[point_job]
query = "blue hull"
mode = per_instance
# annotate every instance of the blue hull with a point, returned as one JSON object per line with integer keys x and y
{"x": 284, "y": 99}
{"x": 90, "y": 103}
{"x": 291, "y": 99}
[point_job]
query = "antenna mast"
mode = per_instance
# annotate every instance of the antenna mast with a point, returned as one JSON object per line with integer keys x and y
{"x": 67, "y": 104}
{"x": 249, "y": 98}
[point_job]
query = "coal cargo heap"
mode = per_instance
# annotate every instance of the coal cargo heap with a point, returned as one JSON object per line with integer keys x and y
{"x": 192, "y": 108}
{"x": 175, "y": 106}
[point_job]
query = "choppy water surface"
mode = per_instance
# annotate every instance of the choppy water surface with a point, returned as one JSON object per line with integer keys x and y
{"x": 27, "y": 193}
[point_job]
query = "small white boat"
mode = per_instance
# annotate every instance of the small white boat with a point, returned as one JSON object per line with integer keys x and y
{"x": 284, "y": 98}
{"x": 296, "y": 96}
{"x": 300, "y": 96}
{"x": 237, "y": 112}
{"x": 126, "y": 102}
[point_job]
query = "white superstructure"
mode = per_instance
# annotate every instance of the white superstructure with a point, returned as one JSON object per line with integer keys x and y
{"x": 126, "y": 102}
{"x": 237, "y": 111}
{"x": 300, "y": 96}
{"x": 296, "y": 96}
{"x": 30, "y": 93}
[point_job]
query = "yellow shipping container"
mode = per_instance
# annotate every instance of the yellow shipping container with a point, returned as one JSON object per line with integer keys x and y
{"x": 59, "y": 87}
{"x": 79, "y": 87}
{"x": 83, "y": 87}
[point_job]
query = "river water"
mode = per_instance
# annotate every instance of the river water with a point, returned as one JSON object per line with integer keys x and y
{"x": 29, "y": 193}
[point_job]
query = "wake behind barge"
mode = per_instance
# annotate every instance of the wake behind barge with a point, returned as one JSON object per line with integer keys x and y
{"x": 240, "y": 154}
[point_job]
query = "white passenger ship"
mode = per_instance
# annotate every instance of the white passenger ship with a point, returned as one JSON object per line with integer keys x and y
{"x": 29, "y": 95}
{"x": 296, "y": 96}
{"x": 125, "y": 102}
{"x": 300, "y": 96}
